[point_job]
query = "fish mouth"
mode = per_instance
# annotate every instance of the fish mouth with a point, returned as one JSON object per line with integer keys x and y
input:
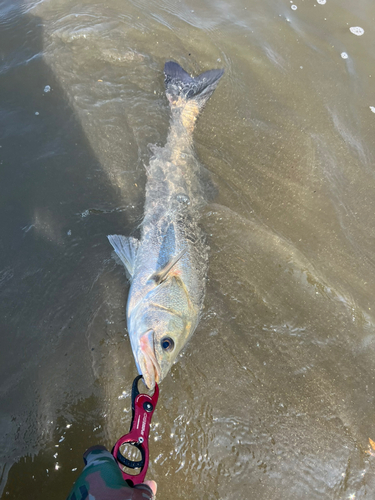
{"x": 147, "y": 361}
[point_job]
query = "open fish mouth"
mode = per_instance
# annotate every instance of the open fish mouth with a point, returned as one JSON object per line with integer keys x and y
{"x": 147, "y": 361}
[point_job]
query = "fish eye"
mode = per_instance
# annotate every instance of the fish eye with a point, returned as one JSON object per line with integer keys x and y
{"x": 167, "y": 344}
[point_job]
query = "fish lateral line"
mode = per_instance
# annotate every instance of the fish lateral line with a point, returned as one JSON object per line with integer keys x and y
{"x": 167, "y": 309}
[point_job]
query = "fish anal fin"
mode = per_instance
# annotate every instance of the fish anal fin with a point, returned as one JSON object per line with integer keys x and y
{"x": 161, "y": 275}
{"x": 126, "y": 248}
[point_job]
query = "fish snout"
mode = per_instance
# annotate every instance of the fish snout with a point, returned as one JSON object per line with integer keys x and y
{"x": 147, "y": 361}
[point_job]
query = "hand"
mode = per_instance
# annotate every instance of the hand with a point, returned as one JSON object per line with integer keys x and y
{"x": 140, "y": 491}
{"x": 102, "y": 480}
{"x": 152, "y": 485}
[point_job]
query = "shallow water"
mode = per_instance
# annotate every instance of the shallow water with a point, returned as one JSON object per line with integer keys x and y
{"x": 273, "y": 397}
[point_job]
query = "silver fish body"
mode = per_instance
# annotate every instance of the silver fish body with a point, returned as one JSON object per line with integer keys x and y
{"x": 168, "y": 264}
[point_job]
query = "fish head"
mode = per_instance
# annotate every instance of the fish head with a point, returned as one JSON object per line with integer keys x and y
{"x": 159, "y": 328}
{"x": 162, "y": 336}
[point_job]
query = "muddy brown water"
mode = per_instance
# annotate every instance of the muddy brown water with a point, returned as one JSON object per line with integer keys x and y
{"x": 273, "y": 397}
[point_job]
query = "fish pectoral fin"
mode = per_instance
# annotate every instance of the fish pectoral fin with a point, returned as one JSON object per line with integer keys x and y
{"x": 126, "y": 248}
{"x": 161, "y": 275}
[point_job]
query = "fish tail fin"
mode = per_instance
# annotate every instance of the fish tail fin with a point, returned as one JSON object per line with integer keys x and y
{"x": 189, "y": 94}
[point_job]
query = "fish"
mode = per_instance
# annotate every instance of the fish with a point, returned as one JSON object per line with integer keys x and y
{"x": 168, "y": 264}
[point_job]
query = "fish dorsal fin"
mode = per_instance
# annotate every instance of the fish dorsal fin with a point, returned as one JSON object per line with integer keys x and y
{"x": 126, "y": 248}
{"x": 161, "y": 275}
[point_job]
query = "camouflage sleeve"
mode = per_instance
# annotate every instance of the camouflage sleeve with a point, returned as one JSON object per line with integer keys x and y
{"x": 101, "y": 479}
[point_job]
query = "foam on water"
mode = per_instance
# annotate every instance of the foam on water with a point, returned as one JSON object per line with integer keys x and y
{"x": 357, "y": 30}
